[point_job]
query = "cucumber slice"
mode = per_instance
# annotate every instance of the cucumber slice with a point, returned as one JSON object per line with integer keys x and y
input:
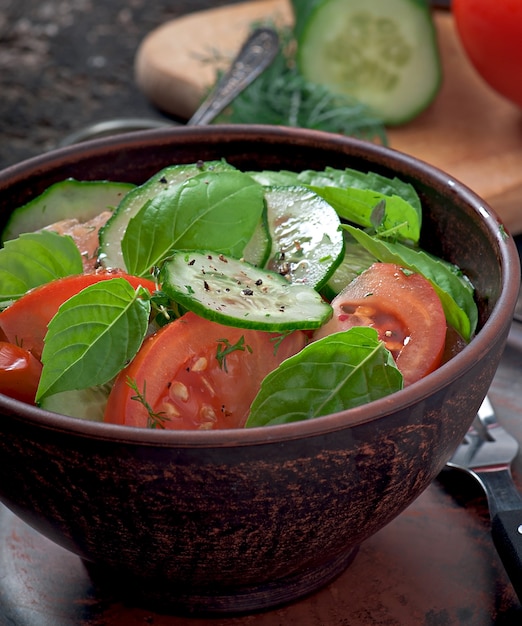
{"x": 111, "y": 234}
{"x": 235, "y": 293}
{"x": 70, "y": 198}
{"x": 307, "y": 242}
{"x": 356, "y": 260}
{"x": 88, "y": 404}
{"x": 384, "y": 53}
{"x": 279, "y": 178}
{"x": 257, "y": 250}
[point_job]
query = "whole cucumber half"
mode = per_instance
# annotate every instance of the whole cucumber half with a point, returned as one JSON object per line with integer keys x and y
{"x": 382, "y": 52}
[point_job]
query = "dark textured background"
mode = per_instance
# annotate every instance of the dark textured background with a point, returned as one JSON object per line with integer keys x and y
{"x": 65, "y": 64}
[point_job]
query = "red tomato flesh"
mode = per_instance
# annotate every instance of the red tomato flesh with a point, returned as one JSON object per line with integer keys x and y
{"x": 24, "y": 323}
{"x": 491, "y": 34}
{"x": 404, "y": 309}
{"x": 19, "y": 372}
{"x": 177, "y": 373}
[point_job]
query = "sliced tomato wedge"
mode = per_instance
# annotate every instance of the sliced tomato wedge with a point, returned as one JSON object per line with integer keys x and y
{"x": 25, "y": 322}
{"x": 404, "y": 309}
{"x": 197, "y": 374}
{"x": 19, "y": 372}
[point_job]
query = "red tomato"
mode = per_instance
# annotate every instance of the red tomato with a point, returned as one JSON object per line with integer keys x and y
{"x": 19, "y": 372}
{"x": 25, "y": 322}
{"x": 403, "y": 308}
{"x": 178, "y": 374}
{"x": 491, "y": 34}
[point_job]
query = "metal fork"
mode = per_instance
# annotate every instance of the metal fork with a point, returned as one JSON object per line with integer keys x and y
{"x": 486, "y": 453}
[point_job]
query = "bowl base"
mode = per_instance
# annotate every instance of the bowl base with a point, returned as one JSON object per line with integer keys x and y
{"x": 158, "y": 596}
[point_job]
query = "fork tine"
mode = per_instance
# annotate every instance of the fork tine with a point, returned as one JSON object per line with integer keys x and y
{"x": 463, "y": 455}
{"x": 486, "y": 414}
{"x": 486, "y": 444}
{"x": 482, "y": 429}
{"x": 486, "y": 454}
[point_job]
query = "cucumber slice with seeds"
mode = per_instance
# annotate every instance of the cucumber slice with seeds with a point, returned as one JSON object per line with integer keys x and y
{"x": 307, "y": 242}
{"x": 69, "y": 198}
{"x": 235, "y": 293}
{"x": 382, "y": 52}
{"x": 111, "y": 234}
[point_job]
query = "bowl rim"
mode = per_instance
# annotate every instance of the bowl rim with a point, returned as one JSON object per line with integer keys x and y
{"x": 459, "y": 364}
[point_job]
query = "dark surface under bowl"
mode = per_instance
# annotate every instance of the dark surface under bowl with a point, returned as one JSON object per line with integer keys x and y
{"x": 241, "y": 520}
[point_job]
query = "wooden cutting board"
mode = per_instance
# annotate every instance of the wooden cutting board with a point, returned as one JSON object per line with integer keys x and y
{"x": 469, "y": 131}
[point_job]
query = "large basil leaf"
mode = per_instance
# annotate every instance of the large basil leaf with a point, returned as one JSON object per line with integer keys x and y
{"x": 337, "y": 372}
{"x": 216, "y": 211}
{"x": 399, "y": 218}
{"x": 354, "y": 179}
{"x": 34, "y": 259}
{"x": 93, "y": 336}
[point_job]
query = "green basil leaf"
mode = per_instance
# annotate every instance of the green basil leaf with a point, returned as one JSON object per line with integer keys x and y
{"x": 111, "y": 234}
{"x": 400, "y": 218}
{"x": 92, "y": 337}
{"x": 355, "y": 179}
{"x": 281, "y": 178}
{"x": 354, "y": 196}
{"x": 454, "y": 290}
{"x": 34, "y": 259}
{"x": 338, "y": 372}
{"x": 213, "y": 211}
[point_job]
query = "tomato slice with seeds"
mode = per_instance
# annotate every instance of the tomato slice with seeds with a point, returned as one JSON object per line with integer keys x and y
{"x": 24, "y": 323}
{"x": 19, "y": 372}
{"x": 404, "y": 309}
{"x": 197, "y": 374}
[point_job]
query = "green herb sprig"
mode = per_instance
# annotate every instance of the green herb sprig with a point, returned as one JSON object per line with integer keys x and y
{"x": 282, "y": 96}
{"x": 225, "y": 348}
{"x": 155, "y": 419}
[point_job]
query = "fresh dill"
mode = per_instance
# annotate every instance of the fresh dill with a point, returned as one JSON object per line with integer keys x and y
{"x": 225, "y": 348}
{"x": 155, "y": 419}
{"x": 282, "y": 96}
{"x": 278, "y": 339}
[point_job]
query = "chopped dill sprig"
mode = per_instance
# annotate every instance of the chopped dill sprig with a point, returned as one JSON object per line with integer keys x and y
{"x": 225, "y": 348}
{"x": 282, "y": 96}
{"x": 155, "y": 419}
{"x": 278, "y": 339}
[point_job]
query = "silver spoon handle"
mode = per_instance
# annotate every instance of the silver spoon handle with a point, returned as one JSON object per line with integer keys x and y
{"x": 256, "y": 54}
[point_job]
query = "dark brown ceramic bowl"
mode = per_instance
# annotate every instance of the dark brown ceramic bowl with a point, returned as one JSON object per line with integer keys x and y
{"x": 240, "y": 520}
